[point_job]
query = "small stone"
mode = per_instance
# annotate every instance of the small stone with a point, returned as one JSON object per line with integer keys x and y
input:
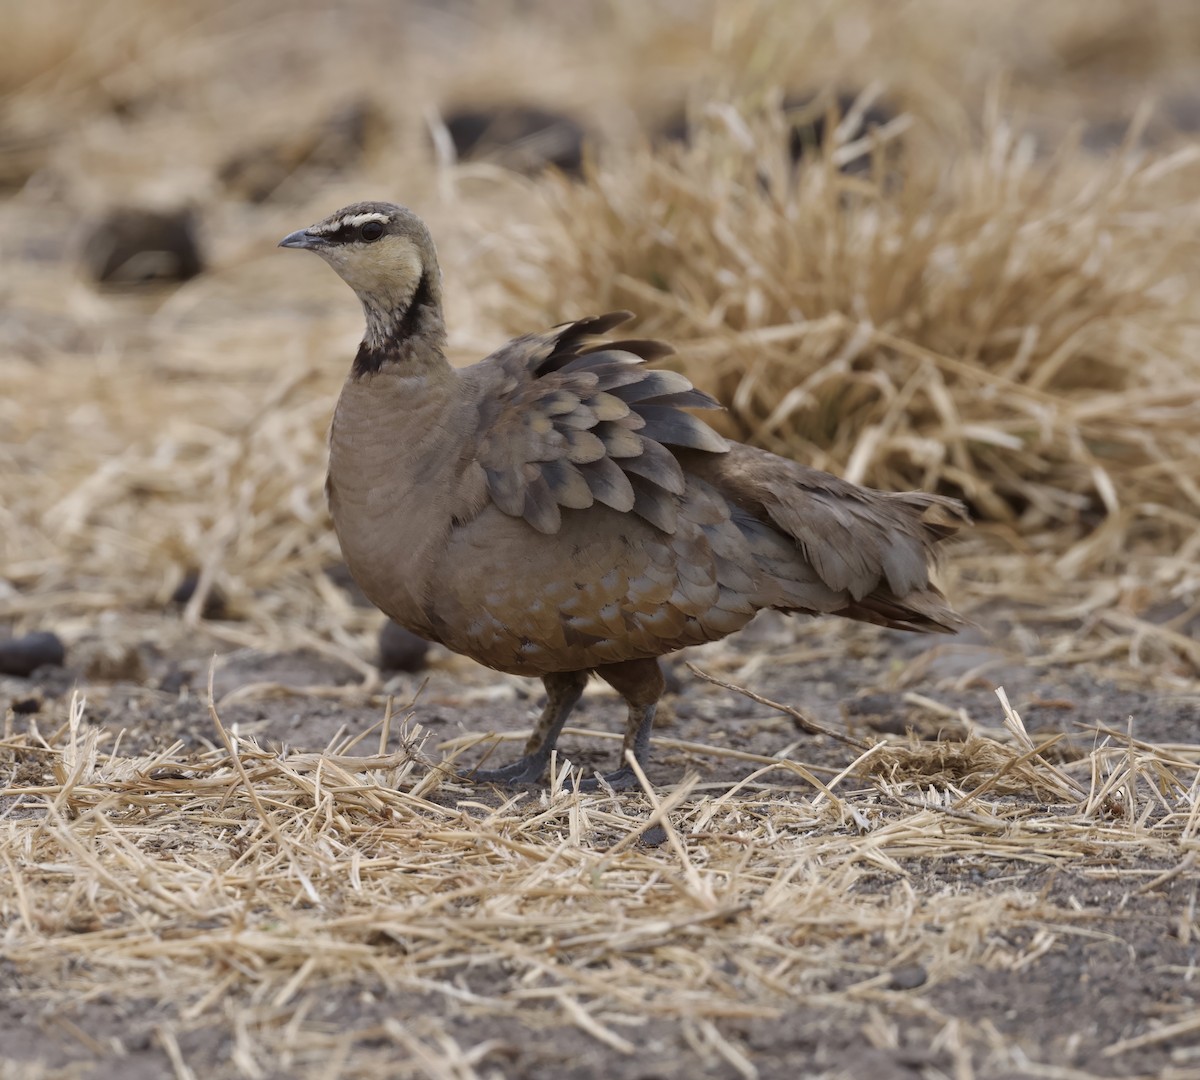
{"x": 895, "y": 724}
{"x": 655, "y": 836}
{"x": 23, "y": 656}
{"x": 400, "y": 649}
{"x": 908, "y": 977}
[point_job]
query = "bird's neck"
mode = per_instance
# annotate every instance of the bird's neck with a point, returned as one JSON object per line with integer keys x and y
{"x": 410, "y": 334}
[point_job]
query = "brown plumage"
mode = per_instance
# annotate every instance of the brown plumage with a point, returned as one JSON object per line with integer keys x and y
{"x": 554, "y": 511}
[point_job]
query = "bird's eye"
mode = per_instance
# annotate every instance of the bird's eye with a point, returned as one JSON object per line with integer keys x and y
{"x": 372, "y": 230}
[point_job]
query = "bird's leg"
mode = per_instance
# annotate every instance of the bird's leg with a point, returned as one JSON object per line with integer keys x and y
{"x": 640, "y": 683}
{"x": 563, "y": 690}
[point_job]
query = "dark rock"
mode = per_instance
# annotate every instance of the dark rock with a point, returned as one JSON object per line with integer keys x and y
{"x": 655, "y": 836}
{"x": 337, "y": 143}
{"x": 883, "y": 712}
{"x": 889, "y": 724}
{"x": 214, "y": 602}
{"x": 23, "y": 656}
{"x": 523, "y": 138}
{"x": 133, "y": 246}
{"x": 400, "y": 649}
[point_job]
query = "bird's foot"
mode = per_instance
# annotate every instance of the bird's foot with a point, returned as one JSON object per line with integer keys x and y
{"x": 624, "y": 779}
{"x": 531, "y": 768}
{"x": 525, "y": 770}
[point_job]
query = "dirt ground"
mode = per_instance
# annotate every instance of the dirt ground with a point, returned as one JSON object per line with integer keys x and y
{"x": 1090, "y": 972}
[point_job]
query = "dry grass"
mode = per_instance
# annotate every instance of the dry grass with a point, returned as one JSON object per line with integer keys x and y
{"x": 269, "y": 882}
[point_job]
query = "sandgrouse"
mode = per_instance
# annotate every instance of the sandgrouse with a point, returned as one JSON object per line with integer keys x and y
{"x": 554, "y": 511}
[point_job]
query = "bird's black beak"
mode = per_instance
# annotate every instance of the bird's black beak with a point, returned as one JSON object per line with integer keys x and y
{"x": 302, "y": 238}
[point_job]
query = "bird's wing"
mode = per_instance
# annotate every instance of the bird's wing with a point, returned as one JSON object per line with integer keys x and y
{"x": 870, "y": 550}
{"x": 565, "y": 420}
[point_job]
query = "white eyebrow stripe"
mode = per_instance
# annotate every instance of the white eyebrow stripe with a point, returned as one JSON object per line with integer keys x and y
{"x": 352, "y": 221}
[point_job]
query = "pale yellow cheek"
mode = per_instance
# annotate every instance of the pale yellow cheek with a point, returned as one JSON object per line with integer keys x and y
{"x": 391, "y": 267}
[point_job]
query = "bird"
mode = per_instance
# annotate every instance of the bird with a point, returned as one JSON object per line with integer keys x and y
{"x": 558, "y": 509}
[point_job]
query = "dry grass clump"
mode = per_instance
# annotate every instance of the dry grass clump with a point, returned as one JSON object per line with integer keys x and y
{"x": 1015, "y": 328}
{"x": 279, "y": 882}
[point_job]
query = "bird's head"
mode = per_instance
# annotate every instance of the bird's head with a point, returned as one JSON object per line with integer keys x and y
{"x": 385, "y": 254}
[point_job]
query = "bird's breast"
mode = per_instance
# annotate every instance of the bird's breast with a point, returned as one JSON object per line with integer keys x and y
{"x": 389, "y": 488}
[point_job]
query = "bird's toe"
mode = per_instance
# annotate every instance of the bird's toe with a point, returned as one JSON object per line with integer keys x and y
{"x": 525, "y": 770}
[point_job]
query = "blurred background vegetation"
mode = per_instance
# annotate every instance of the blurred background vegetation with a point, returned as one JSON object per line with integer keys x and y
{"x": 938, "y": 243}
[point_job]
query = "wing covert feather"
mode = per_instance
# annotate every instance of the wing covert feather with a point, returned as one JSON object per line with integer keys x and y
{"x": 565, "y": 421}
